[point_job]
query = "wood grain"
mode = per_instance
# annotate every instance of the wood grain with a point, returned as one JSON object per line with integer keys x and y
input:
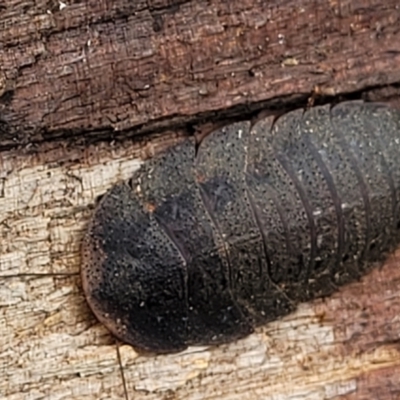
{"x": 77, "y": 72}
{"x": 51, "y": 346}
{"x": 106, "y": 68}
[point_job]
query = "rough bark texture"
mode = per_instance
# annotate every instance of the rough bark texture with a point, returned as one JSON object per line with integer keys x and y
{"x": 101, "y": 67}
{"x": 106, "y": 69}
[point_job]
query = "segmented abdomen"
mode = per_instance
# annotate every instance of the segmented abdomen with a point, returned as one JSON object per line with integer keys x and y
{"x": 201, "y": 248}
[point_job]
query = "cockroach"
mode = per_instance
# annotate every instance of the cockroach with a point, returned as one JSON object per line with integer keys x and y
{"x": 201, "y": 246}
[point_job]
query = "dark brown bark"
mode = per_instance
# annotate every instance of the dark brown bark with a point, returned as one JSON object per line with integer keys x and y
{"x": 105, "y": 67}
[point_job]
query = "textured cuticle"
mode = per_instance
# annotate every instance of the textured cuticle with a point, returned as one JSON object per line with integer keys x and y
{"x": 201, "y": 247}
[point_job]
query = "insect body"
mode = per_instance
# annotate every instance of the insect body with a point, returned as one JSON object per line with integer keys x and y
{"x": 201, "y": 248}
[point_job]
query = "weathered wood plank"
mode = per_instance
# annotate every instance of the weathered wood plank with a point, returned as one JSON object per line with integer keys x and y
{"x": 101, "y": 67}
{"x": 52, "y": 347}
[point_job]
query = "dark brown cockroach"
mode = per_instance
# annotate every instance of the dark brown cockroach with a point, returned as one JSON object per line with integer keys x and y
{"x": 200, "y": 248}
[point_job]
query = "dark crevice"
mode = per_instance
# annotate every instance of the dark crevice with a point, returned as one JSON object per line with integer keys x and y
{"x": 122, "y": 372}
{"x": 21, "y": 136}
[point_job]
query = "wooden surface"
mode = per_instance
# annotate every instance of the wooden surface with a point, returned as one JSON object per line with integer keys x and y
{"x": 51, "y": 347}
{"x": 106, "y": 68}
{"x": 112, "y": 69}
